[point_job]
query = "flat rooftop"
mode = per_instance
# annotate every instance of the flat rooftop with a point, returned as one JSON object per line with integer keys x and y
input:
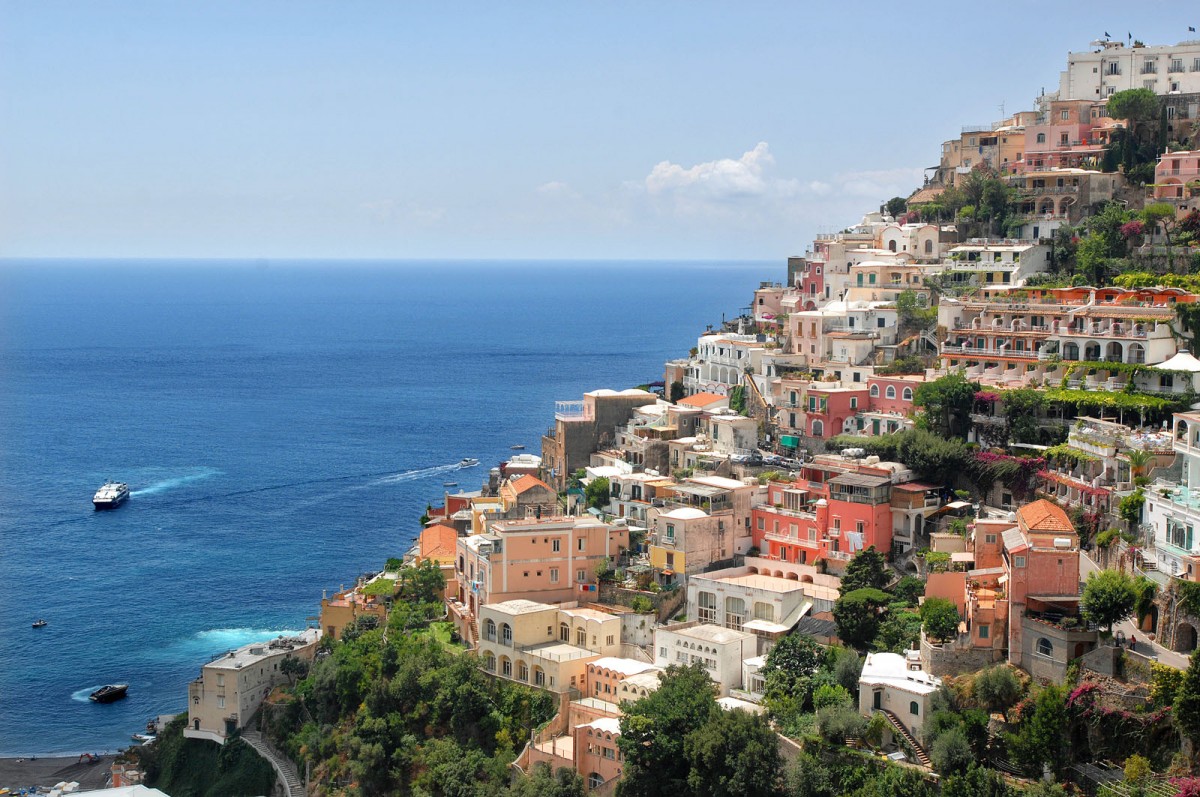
{"x": 257, "y": 651}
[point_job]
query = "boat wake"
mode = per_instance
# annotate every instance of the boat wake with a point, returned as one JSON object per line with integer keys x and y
{"x": 177, "y": 481}
{"x": 84, "y": 695}
{"x": 412, "y": 475}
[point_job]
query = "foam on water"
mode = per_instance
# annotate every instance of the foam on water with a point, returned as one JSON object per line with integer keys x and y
{"x": 85, "y": 695}
{"x": 173, "y": 482}
{"x": 413, "y": 475}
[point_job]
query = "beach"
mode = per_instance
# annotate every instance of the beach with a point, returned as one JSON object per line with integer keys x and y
{"x": 18, "y": 773}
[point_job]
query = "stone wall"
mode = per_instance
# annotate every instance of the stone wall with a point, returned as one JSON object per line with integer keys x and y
{"x": 955, "y": 659}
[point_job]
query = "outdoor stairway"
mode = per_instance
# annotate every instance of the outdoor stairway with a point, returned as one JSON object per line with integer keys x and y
{"x": 898, "y": 726}
{"x": 284, "y": 768}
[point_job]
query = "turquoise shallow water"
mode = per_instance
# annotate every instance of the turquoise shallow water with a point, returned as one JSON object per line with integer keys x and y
{"x": 281, "y": 426}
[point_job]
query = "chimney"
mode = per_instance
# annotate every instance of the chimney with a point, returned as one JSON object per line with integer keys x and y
{"x": 822, "y": 516}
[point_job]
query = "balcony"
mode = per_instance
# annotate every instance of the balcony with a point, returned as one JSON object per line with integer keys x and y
{"x": 571, "y": 411}
{"x": 975, "y": 351}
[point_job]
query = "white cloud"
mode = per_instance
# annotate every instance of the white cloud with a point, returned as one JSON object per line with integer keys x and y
{"x": 715, "y": 180}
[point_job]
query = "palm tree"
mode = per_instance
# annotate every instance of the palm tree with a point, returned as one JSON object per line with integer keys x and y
{"x": 1138, "y": 460}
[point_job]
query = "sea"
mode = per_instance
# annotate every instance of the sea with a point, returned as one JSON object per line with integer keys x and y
{"x": 282, "y": 426}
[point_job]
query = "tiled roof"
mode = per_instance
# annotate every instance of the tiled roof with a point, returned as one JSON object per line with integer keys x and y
{"x": 528, "y": 482}
{"x": 439, "y": 542}
{"x": 1044, "y": 516}
{"x": 701, "y": 399}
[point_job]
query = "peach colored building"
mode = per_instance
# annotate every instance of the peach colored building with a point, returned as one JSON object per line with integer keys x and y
{"x": 527, "y": 497}
{"x": 597, "y": 754}
{"x": 604, "y": 676}
{"x": 439, "y": 543}
{"x": 1177, "y": 175}
{"x": 548, "y": 559}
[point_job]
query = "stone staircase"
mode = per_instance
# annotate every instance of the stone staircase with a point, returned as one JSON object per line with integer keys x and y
{"x": 898, "y": 727}
{"x": 285, "y": 770}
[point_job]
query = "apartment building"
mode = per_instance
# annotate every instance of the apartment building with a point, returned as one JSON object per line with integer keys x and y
{"x": 719, "y": 650}
{"x": 998, "y": 146}
{"x": 581, "y": 427}
{"x": 232, "y": 686}
{"x": 544, "y": 645}
{"x": 1177, "y": 176}
{"x": 720, "y": 362}
{"x": 993, "y": 262}
{"x": 526, "y": 497}
{"x": 1033, "y": 336}
{"x": 1052, "y": 196}
{"x": 1112, "y": 66}
{"x": 549, "y": 559}
{"x": 1172, "y": 509}
{"x": 899, "y": 684}
{"x": 703, "y": 519}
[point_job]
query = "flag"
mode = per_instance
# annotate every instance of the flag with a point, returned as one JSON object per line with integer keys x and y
{"x": 1131, "y": 36}
{"x": 1191, "y": 29}
{"x": 1106, "y": 34}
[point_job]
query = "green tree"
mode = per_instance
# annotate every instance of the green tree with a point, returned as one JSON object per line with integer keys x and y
{"x": 830, "y": 695}
{"x": 1186, "y": 707}
{"x": 912, "y": 313}
{"x": 808, "y": 776}
{"x": 735, "y": 753}
{"x": 677, "y": 392}
{"x": 1108, "y": 597}
{"x": 976, "y": 781}
{"x": 1130, "y": 507}
{"x": 996, "y": 688}
{"x": 653, "y": 730}
{"x": 940, "y": 619}
{"x": 947, "y": 403}
{"x": 909, "y": 589}
{"x": 857, "y": 615}
{"x": 544, "y": 782}
{"x": 788, "y": 674}
{"x": 421, "y": 583}
{"x": 1041, "y": 739}
{"x": 896, "y": 206}
{"x": 951, "y": 752}
{"x": 597, "y": 492}
{"x": 867, "y": 569}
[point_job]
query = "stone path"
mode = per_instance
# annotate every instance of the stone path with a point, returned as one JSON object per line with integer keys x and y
{"x": 284, "y": 768}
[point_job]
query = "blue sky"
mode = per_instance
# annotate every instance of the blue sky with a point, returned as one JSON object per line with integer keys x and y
{"x": 498, "y": 130}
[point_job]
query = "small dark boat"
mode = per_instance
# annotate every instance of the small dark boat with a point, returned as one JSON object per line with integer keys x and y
{"x": 39, "y": 624}
{"x": 517, "y": 448}
{"x": 110, "y": 693}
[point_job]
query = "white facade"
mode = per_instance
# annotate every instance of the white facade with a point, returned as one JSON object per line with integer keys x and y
{"x": 899, "y": 685}
{"x": 1172, "y": 510}
{"x": 744, "y": 600}
{"x": 720, "y": 362}
{"x": 719, "y": 650}
{"x": 996, "y": 262}
{"x": 1111, "y": 66}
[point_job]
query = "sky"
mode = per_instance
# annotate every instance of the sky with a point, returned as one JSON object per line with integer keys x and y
{"x": 548, "y": 130}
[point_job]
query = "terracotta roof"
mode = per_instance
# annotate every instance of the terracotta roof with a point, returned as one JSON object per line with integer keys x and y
{"x": 925, "y": 195}
{"x": 701, "y": 399}
{"x": 1044, "y": 516}
{"x": 528, "y": 482}
{"x": 439, "y": 543}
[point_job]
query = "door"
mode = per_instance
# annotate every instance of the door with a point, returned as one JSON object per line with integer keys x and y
{"x": 878, "y": 701}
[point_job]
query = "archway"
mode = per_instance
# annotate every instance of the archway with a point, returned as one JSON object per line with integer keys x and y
{"x": 1114, "y": 353}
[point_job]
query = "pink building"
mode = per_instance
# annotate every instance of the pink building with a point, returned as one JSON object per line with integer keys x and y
{"x": 1175, "y": 170}
{"x": 893, "y": 393}
{"x": 549, "y": 560}
{"x": 828, "y": 408}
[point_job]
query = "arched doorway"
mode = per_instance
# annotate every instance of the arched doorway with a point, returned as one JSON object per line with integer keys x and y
{"x": 1149, "y": 622}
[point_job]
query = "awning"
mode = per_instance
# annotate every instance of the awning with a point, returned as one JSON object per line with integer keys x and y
{"x": 789, "y": 441}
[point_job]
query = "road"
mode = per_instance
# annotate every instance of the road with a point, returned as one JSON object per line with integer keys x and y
{"x": 1144, "y": 646}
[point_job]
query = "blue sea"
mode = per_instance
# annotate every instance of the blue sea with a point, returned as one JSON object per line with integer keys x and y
{"x": 282, "y": 426}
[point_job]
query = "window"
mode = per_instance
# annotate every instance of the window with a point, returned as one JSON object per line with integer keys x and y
{"x": 1044, "y": 648}
{"x": 595, "y": 780}
{"x": 914, "y": 708}
{"x": 1064, "y": 115}
{"x": 708, "y": 607}
{"x": 1176, "y": 65}
{"x": 522, "y": 671}
{"x": 1041, "y": 138}
{"x": 556, "y": 545}
{"x": 582, "y": 545}
{"x": 764, "y": 611}
{"x": 564, "y": 632}
{"x": 990, "y": 539}
{"x": 220, "y": 701}
{"x": 881, "y": 322}
{"x": 874, "y": 391}
{"x": 854, "y": 401}
{"x": 907, "y": 395}
{"x": 581, "y": 576}
{"x": 506, "y": 668}
{"x": 1149, "y": 67}
{"x": 489, "y": 630}
{"x": 554, "y": 575}
{"x": 735, "y": 613}
{"x": 1018, "y": 561}
{"x": 220, "y": 679}
{"x": 489, "y": 661}
{"x": 670, "y": 531}
{"x": 891, "y": 391}
{"x": 985, "y": 631}
{"x": 506, "y": 634}
{"x": 1113, "y": 68}
{"x": 539, "y": 677}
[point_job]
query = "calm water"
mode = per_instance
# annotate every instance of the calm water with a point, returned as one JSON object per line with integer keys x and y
{"x": 282, "y": 427}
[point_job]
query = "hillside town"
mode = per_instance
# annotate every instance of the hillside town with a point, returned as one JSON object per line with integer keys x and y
{"x": 927, "y": 499}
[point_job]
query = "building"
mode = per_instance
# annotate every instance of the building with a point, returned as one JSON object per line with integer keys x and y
{"x": 548, "y": 559}
{"x": 527, "y": 496}
{"x": 544, "y": 645}
{"x": 1172, "y": 509}
{"x": 702, "y": 520}
{"x": 1112, "y": 66}
{"x": 439, "y": 543}
{"x": 232, "y": 686}
{"x": 581, "y": 427}
{"x": 1177, "y": 176}
{"x": 991, "y": 262}
{"x": 604, "y": 677}
{"x": 348, "y": 605}
{"x": 897, "y": 684}
{"x": 719, "y": 650}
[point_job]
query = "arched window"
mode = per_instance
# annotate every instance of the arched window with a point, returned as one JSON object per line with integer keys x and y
{"x": 489, "y": 661}
{"x": 871, "y": 278}
{"x": 735, "y": 613}
{"x": 818, "y": 429}
{"x": 874, "y": 391}
{"x": 891, "y": 391}
{"x": 506, "y": 634}
{"x": 505, "y": 667}
{"x": 1041, "y": 138}
{"x": 907, "y": 394}
{"x": 892, "y": 246}
{"x": 1137, "y": 353}
{"x": 522, "y": 671}
{"x": 929, "y": 246}
{"x": 1070, "y": 351}
{"x": 1044, "y": 648}
{"x": 564, "y": 632}
{"x": 914, "y": 708}
{"x": 595, "y": 780}
{"x": 489, "y": 630}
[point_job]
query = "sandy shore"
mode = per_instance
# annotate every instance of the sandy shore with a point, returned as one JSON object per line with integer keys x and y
{"x": 25, "y": 772}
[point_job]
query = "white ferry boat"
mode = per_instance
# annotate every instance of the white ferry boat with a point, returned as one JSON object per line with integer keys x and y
{"x": 111, "y": 495}
{"x": 468, "y": 463}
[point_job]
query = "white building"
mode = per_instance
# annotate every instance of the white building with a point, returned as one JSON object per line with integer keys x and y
{"x": 994, "y": 262}
{"x": 896, "y": 683}
{"x": 720, "y": 362}
{"x": 1111, "y": 66}
{"x": 1173, "y": 510}
{"x": 767, "y": 606}
{"x": 232, "y": 687}
{"x": 719, "y": 650}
